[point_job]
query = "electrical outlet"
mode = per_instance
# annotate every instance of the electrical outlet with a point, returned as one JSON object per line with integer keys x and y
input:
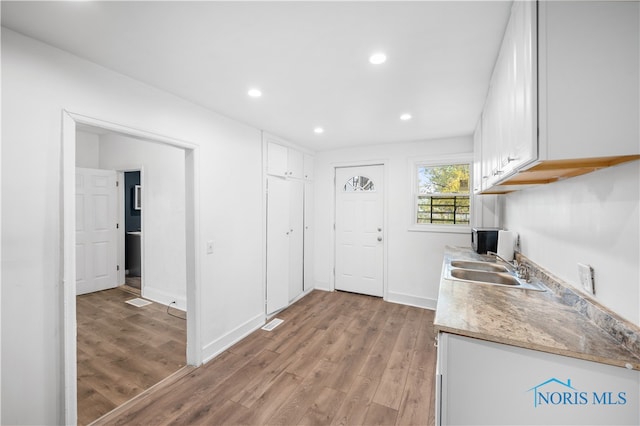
{"x": 209, "y": 247}
{"x": 585, "y": 272}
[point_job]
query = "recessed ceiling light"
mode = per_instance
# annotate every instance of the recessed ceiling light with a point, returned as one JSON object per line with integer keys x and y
{"x": 254, "y": 93}
{"x": 405, "y": 117}
{"x": 378, "y": 58}
{"x": 318, "y": 130}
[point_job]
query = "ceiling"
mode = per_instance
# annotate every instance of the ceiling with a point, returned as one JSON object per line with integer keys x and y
{"x": 309, "y": 59}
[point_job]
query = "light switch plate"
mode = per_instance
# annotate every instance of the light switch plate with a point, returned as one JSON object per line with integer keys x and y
{"x": 209, "y": 247}
{"x": 585, "y": 272}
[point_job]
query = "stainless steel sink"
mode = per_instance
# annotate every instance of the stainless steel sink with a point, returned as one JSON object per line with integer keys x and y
{"x": 478, "y": 266}
{"x": 489, "y": 273}
{"x": 484, "y": 276}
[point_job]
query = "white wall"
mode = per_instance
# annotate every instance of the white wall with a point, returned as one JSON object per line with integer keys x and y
{"x": 87, "y": 150}
{"x": 38, "y": 82}
{"x": 163, "y": 195}
{"x": 414, "y": 260}
{"x": 592, "y": 219}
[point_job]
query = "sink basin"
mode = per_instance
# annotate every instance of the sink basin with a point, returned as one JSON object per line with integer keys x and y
{"x": 484, "y": 276}
{"x": 478, "y": 266}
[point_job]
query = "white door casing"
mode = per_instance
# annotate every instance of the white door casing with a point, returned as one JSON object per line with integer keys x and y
{"x": 359, "y": 237}
{"x": 96, "y": 233}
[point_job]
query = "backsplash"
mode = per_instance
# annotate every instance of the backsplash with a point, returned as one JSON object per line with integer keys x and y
{"x": 620, "y": 329}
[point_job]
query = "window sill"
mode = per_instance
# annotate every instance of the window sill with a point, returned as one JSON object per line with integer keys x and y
{"x": 442, "y": 229}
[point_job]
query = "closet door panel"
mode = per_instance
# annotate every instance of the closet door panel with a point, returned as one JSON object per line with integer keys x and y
{"x": 278, "y": 260}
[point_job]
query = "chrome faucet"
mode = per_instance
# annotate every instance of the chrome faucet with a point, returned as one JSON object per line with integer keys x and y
{"x": 497, "y": 256}
{"x": 519, "y": 269}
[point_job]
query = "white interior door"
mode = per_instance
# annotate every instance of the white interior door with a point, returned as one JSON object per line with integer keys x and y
{"x": 359, "y": 229}
{"x": 278, "y": 231}
{"x": 96, "y": 237}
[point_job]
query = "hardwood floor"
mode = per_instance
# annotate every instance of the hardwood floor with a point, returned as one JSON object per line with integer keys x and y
{"x": 123, "y": 350}
{"x": 338, "y": 359}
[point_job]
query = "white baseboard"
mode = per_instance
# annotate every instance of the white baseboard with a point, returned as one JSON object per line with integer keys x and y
{"x": 406, "y": 299}
{"x": 165, "y": 298}
{"x": 321, "y": 285}
{"x": 223, "y": 343}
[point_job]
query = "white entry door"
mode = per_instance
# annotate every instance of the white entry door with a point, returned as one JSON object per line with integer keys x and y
{"x": 96, "y": 234}
{"x": 359, "y": 233}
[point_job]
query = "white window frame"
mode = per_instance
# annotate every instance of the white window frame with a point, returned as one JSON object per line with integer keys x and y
{"x": 441, "y": 160}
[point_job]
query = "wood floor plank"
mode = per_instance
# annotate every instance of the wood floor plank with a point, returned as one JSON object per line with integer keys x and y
{"x": 323, "y": 409}
{"x": 353, "y": 408}
{"x": 302, "y": 397}
{"x": 380, "y": 415}
{"x": 412, "y": 409}
{"x": 269, "y": 402}
{"x": 393, "y": 379}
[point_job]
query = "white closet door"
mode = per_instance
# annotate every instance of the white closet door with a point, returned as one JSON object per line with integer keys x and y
{"x": 296, "y": 238}
{"x": 308, "y": 236}
{"x": 96, "y": 238}
{"x": 278, "y": 231}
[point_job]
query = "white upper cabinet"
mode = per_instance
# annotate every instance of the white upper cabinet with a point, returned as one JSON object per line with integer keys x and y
{"x": 295, "y": 162}
{"x": 277, "y": 159}
{"x": 564, "y": 98}
{"x": 308, "y": 167}
{"x": 589, "y": 92}
{"x": 288, "y": 162}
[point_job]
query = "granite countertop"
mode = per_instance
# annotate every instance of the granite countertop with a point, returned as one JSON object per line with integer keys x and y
{"x": 529, "y": 319}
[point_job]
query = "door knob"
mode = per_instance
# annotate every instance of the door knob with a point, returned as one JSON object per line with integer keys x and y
{"x": 379, "y": 238}
{"x": 379, "y": 229}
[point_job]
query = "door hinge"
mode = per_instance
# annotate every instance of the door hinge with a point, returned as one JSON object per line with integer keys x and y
{"x": 117, "y": 183}
{"x": 117, "y": 267}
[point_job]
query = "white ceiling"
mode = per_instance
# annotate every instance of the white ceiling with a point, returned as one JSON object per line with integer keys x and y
{"x": 310, "y": 59}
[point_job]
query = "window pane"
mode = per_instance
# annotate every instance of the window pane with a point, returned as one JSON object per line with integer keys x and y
{"x": 452, "y": 178}
{"x": 359, "y": 183}
{"x": 443, "y": 194}
{"x": 439, "y": 209}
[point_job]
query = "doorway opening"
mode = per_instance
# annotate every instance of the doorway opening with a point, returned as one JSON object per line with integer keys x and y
{"x": 188, "y": 159}
{"x": 131, "y": 199}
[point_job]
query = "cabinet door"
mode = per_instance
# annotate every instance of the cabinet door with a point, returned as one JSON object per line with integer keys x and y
{"x": 589, "y": 78}
{"x": 277, "y": 159}
{"x": 308, "y": 167}
{"x": 296, "y": 238}
{"x": 308, "y": 236}
{"x": 477, "y": 158}
{"x": 295, "y": 163}
{"x": 278, "y": 230}
{"x": 491, "y": 383}
{"x": 523, "y": 148}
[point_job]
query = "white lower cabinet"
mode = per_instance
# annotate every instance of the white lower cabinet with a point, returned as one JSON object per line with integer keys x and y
{"x": 486, "y": 383}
